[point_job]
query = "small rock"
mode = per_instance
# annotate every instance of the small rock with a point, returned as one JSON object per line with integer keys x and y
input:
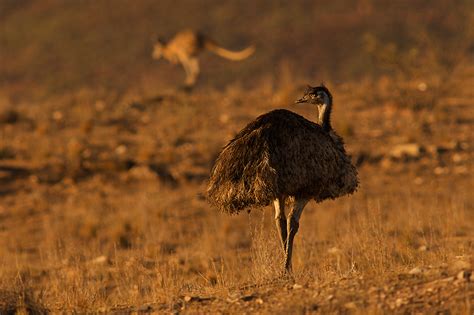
{"x": 334, "y": 251}
{"x": 145, "y": 119}
{"x": 57, "y": 115}
{"x": 399, "y": 302}
{"x": 350, "y": 305}
{"x": 100, "y": 105}
{"x": 224, "y": 118}
{"x": 412, "y": 150}
{"x": 457, "y": 158}
{"x": 142, "y": 172}
{"x": 422, "y": 86}
{"x": 386, "y": 163}
{"x": 418, "y": 181}
{"x": 440, "y": 170}
{"x": 100, "y": 260}
{"x": 422, "y": 248}
{"x": 330, "y": 297}
{"x": 454, "y": 145}
{"x": 86, "y": 153}
{"x": 415, "y": 271}
{"x": 231, "y": 300}
{"x": 259, "y": 301}
{"x": 188, "y": 298}
{"x": 121, "y": 149}
{"x": 448, "y": 279}
{"x": 297, "y": 286}
{"x": 460, "y": 169}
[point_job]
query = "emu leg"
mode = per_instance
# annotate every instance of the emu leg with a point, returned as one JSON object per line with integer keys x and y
{"x": 280, "y": 220}
{"x": 292, "y": 229}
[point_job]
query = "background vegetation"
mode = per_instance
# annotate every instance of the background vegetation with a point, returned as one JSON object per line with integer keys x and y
{"x": 65, "y": 45}
{"x": 104, "y": 160}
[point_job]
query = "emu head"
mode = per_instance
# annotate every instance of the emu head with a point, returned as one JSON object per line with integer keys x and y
{"x": 158, "y": 48}
{"x": 321, "y": 97}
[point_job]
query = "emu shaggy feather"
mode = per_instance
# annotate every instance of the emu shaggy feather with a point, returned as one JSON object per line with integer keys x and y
{"x": 280, "y": 154}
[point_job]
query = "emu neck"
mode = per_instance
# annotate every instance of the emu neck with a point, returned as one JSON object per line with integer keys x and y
{"x": 325, "y": 115}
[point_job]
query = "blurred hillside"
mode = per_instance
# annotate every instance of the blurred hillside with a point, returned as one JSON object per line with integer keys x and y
{"x": 53, "y": 46}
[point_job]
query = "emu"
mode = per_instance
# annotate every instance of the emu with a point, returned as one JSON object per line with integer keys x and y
{"x": 283, "y": 158}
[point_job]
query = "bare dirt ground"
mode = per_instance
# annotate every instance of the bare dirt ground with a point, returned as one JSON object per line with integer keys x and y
{"x": 102, "y": 207}
{"x": 104, "y": 161}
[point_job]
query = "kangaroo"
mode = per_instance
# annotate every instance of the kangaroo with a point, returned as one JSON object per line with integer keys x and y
{"x": 185, "y": 47}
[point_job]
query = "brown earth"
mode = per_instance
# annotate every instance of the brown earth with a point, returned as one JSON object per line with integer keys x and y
{"x": 102, "y": 204}
{"x": 102, "y": 208}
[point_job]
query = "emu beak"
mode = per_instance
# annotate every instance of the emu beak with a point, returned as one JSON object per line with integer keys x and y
{"x": 301, "y": 100}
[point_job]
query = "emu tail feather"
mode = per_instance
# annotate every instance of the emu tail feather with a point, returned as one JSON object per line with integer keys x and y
{"x": 242, "y": 178}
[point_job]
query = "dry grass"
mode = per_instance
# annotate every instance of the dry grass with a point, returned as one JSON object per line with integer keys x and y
{"x": 109, "y": 237}
{"x": 101, "y": 192}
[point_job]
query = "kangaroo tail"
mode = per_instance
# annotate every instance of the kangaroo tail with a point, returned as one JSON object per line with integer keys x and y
{"x": 229, "y": 54}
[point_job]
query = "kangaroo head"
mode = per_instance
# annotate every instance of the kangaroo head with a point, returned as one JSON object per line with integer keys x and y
{"x": 158, "y": 49}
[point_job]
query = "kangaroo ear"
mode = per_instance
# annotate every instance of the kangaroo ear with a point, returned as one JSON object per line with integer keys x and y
{"x": 157, "y": 39}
